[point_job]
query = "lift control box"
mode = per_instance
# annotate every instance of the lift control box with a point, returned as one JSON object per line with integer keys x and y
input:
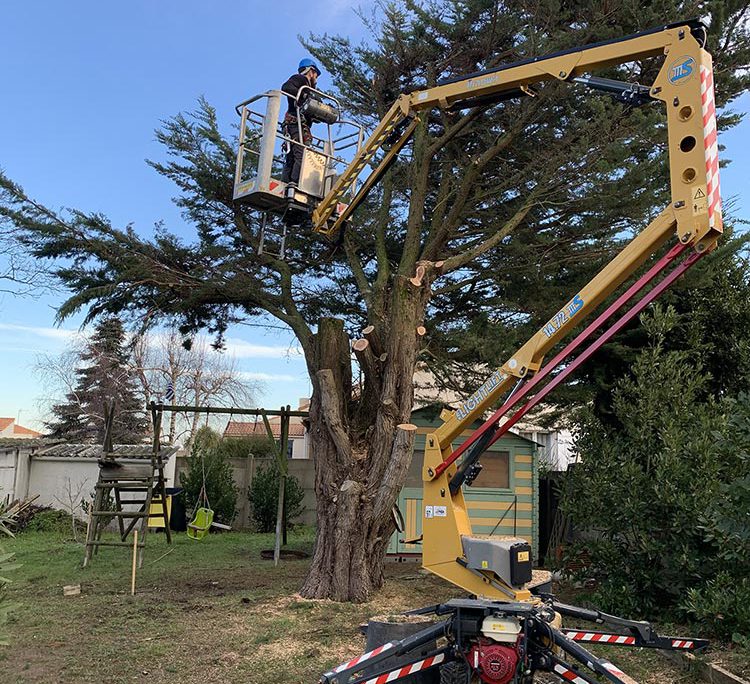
{"x": 508, "y": 557}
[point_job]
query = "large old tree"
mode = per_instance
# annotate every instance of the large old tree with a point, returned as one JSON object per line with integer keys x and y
{"x": 503, "y": 211}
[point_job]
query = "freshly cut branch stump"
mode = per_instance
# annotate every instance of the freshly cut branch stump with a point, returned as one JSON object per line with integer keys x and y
{"x": 417, "y": 279}
{"x": 421, "y": 330}
{"x": 372, "y": 337}
{"x": 384, "y": 628}
{"x": 365, "y": 358}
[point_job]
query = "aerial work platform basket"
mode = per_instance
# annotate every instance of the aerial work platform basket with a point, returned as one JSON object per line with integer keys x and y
{"x": 263, "y": 145}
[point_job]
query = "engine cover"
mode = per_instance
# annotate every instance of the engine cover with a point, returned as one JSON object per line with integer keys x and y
{"x": 495, "y": 662}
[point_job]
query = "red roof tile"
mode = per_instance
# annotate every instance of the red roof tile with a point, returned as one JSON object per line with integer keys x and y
{"x": 21, "y": 430}
{"x": 17, "y": 430}
{"x": 237, "y": 428}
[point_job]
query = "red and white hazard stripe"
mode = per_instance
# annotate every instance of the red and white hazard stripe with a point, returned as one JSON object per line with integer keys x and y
{"x": 616, "y": 671}
{"x": 363, "y": 657}
{"x": 711, "y": 145}
{"x": 568, "y": 675}
{"x": 680, "y": 643}
{"x": 599, "y": 638}
{"x": 407, "y": 670}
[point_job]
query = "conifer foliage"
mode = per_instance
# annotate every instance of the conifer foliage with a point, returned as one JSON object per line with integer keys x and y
{"x": 104, "y": 374}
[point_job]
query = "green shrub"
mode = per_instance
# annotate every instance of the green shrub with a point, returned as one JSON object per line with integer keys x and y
{"x": 263, "y": 495}
{"x": 208, "y": 458}
{"x": 723, "y": 606}
{"x": 49, "y": 520}
{"x": 648, "y": 499}
{"x": 258, "y": 446}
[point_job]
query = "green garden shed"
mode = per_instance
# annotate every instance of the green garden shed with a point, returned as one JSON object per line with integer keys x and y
{"x": 504, "y": 499}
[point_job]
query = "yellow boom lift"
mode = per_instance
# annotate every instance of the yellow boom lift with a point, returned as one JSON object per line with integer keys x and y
{"x": 512, "y": 630}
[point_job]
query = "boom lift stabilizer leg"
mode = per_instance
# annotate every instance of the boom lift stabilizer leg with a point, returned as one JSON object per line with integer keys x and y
{"x": 506, "y": 642}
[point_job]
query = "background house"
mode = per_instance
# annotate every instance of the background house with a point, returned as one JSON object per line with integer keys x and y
{"x": 298, "y": 440}
{"x": 11, "y": 430}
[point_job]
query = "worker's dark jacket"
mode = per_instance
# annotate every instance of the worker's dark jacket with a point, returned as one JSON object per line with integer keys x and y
{"x": 291, "y": 88}
{"x": 291, "y": 128}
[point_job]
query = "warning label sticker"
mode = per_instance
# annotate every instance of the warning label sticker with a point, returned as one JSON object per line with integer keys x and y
{"x": 700, "y": 203}
{"x": 440, "y": 511}
{"x": 428, "y": 511}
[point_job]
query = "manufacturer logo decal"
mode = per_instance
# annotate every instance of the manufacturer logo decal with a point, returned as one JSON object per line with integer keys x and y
{"x": 563, "y": 316}
{"x": 681, "y": 70}
{"x": 482, "y": 81}
{"x": 482, "y": 393}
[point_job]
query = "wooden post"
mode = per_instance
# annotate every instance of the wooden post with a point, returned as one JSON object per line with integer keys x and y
{"x": 246, "y": 474}
{"x": 283, "y": 472}
{"x": 284, "y": 541}
{"x": 135, "y": 559}
{"x": 279, "y": 517}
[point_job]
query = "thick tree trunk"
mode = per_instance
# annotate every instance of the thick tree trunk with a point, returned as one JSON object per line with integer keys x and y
{"x": 361, "y": 443}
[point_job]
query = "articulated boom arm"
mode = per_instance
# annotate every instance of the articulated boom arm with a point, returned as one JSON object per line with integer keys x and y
{"x": 685, "y": 85}
{"x": 682, "y": 72}
{"x": 516, "y": 634}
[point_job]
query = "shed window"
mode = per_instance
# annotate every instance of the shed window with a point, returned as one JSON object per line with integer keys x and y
{"x": 495, "y": 470}
{"x": 414, "y": 476}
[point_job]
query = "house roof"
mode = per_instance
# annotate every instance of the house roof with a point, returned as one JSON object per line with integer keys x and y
{"x": 17, "y": 430}
{"x": 21, "y": 430}
{"x": 236, "y": 428}
{"x": 96, "y": 451}
{"x": 32, "y": 443}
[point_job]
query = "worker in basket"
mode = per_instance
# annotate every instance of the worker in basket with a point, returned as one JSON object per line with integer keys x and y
{"x": 307, "y": 75}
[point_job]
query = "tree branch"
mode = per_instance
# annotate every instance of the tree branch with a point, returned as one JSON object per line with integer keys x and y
{"x": 459, "y": 260}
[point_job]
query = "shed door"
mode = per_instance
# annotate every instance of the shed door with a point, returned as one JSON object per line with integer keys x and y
{"x": 410, "y": 504}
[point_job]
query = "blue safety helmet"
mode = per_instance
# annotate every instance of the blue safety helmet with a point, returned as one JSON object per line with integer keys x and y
{"x": 306, "y": 64}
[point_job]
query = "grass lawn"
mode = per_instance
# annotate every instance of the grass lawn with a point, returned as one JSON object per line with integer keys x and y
{"x": 209, "y": 612}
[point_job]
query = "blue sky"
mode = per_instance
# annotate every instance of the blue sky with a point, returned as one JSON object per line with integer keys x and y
{"x": 84, "y": 86}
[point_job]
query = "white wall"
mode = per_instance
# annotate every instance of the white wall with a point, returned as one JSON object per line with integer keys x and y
{"x": 556, "y": 446}
{"x": 7, "y": 473}
{"x": 57, "y": 479}
{"x": 299, "y": 447}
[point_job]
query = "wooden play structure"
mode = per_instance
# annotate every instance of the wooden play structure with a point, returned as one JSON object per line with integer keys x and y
{"x": 137, "y": 489}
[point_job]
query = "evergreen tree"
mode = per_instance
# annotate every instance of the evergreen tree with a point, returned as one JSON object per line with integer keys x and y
{"x": 103, "y": 375}
{"x": 519, "y": 202}
{"x": 661, "y": 492}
